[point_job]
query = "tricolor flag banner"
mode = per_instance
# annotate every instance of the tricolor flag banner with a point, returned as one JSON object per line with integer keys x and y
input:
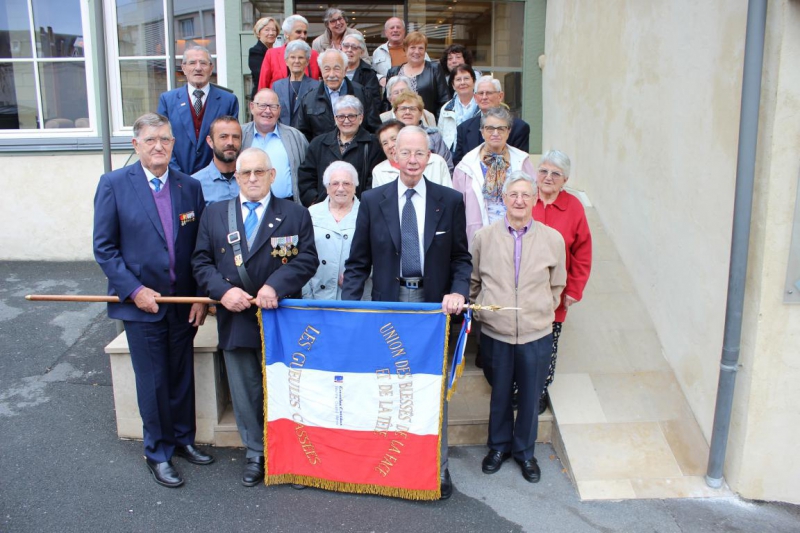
{"x": 353, "y": 396}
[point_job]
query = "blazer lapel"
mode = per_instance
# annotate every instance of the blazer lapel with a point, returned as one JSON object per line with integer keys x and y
{"x": 434, "y": 209}
{"x": 176, "y": 193}
{"x": 211, "y": 112}
{"x": 392, "y": 214}
{"x": 145, "y": 194}
{"x": 272, "y": 219}
{"x": 184, "y": 106}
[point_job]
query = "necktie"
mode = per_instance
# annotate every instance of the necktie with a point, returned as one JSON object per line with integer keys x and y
{"x": 156, "y": 184}
{"x": 409, "y": 260}
{"x": 198, "y": 102}
{"x": 251, "y": 221}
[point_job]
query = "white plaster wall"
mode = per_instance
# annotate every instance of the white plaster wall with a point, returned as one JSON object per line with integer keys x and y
{"x": 46, "y": 206}
{"x": 644, "y": 96}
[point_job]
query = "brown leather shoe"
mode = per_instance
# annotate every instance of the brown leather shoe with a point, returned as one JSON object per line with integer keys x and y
{"x": 164, "y": 473}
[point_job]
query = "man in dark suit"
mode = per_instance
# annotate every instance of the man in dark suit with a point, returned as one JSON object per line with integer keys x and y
{"x": 488, "y": 94}
{"x": 192, "y": 109}
{"x": 411, "y": 234}
{"x": 145, "y": 227}
{"x": 316, "y": 108}
{"x": 268, "y": 254}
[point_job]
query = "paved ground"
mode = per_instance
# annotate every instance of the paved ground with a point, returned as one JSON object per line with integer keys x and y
{"x": 62, "y": 467}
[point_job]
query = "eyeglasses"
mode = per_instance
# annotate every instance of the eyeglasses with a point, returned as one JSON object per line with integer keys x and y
{"x": 351, "y": 46}
{"x": 495, "y": 129}
{"x": 543, "y": 173}
{"x": 485, "y": 94}
{"x": 152, "y": 141}
{"x": 348, "y": 118}
{"x": 337, "y": 20}
{"x": 201, "y": 62}
{"x": 463, "y": 79}
{"x": 404, "y": 108}
{"x": 342, "y": 184}
{"x": 406, "y": 154}
{"x": 258, "y": 173}
{"x": 264, "y": 107}
{"x": 514, "y": 196}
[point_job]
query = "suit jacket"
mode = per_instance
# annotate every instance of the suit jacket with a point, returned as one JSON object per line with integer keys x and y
{"x": 293, "y": 141}
{"x": 129, "y": 241}
{"x": 216, "y": 273}
{"x": 468, "y": 136}
{"x": 285, "y": 94}
{"x": 191, "y": 153}
{"x": 316, "y": 112}
{"x": 274, "y": 67}
{"x": 366, "y": 76}
{"x": 376, "y": 246}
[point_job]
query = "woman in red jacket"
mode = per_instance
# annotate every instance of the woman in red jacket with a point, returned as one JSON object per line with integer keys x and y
{"x": 274, "y": 66}
{"x": 564, "y": 212}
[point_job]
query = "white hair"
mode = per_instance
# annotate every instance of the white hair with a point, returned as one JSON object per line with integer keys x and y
{"x": 340, "y": 166}
{"x": 290, "y": 21}
{"x": 516, "y": 176}
{"x": 339, "y": 53}
{"x": 558, "y": 159}
{"x": 489, "y": 79}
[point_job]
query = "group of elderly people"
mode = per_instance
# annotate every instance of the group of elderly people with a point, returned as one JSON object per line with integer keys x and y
{"x": 529, "y": 239}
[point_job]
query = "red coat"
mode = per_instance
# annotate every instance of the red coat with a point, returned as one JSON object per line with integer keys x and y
{"x": 566, "y": 215}
{"x": 274, "y": 67}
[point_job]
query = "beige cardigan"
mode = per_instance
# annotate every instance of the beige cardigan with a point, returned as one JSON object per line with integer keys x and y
{"x": 542, "y": 277}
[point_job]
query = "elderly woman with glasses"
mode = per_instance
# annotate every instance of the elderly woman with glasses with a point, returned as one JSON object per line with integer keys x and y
{"x": 358, "y": 70}
{"x": 558, "y": 209}
{"x": 483, "y": 171}
{"x": 408, "y": 109}
{"x": 427, "y": 79}
{"x": 348, "y": 142}
{"x": 291, "y": 90}
{"x": 266, "y": 31}
{"x": 334, "y": 222}
{"x": 520, "y": 263}
{"x": 394, "y": 87}
{"x": 335, "y": 31}
{"x": 274, "y": 66}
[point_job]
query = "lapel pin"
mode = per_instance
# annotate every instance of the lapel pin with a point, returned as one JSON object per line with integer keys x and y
{"x": 270, "y": 224}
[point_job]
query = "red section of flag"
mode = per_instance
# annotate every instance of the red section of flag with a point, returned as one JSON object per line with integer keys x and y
{"x": 401, "y": 460}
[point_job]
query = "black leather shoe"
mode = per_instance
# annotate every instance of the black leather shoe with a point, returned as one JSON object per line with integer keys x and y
{"x": 493, "y": 461}
{"x": 164, "y": 473}
{"x": 193, "y": 455}
{"x": 530, "y": 470}
{"x": 253, "y": 471}
{"x": 298, "y": 486}
{"x": 543, "y": 401}
{"x": 447, "y": 485}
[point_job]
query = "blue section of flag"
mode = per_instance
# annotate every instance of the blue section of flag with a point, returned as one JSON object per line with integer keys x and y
{"x": 458, "y": 353}
{"x": 358, "y": 337}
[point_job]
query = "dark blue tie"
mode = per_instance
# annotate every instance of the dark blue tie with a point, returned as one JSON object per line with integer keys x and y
{"x": 251, "y": 222}
{"x": 156, "y": 184}
{"x": 409, "y": 260}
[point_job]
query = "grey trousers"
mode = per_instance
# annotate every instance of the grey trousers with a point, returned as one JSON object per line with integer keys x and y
{"x": 246, "y": 381}
{"x": 416, "y": 295}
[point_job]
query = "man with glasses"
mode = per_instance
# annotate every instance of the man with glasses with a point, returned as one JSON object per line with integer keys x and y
{"x": 267, "y": 253}
{"x": 146, "y": 217}
{"x": 316, "y": 109}
{"x": 285, "y": 146}
{"x": 411, "y": 235}
{"x": 192, "y": 109}
{"x": 488, "y": 94}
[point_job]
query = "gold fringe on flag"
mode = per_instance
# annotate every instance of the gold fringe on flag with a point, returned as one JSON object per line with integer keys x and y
{"x": 354, "y": 488}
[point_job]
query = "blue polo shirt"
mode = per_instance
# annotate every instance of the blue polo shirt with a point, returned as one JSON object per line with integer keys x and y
{"x": 273, "y": 145}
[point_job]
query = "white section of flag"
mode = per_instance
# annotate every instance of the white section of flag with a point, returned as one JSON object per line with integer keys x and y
{"x": 355, "y": 403}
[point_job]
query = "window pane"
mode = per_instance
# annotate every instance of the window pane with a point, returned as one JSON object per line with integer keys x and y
{"x": 201, "y": 15}
{"x": 140, "y": 25}
{"x": 15, "y": 33}
{"x": 64, "y": 96}
{"x": 142, "y": 83}
{"x": 57, "y": 25}
{"x": 17, "y": 97}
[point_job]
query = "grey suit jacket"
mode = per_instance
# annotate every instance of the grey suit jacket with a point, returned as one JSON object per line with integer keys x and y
{"x": 294, "y": 142}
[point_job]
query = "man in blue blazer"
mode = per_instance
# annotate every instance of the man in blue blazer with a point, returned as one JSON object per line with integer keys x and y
{"x": 192, "y": 109}
{"x": 266, "y": 228}
{"x": 415, "y": 254}
{"x": 488, "y": 94}
{"x": 146, "y": 218}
